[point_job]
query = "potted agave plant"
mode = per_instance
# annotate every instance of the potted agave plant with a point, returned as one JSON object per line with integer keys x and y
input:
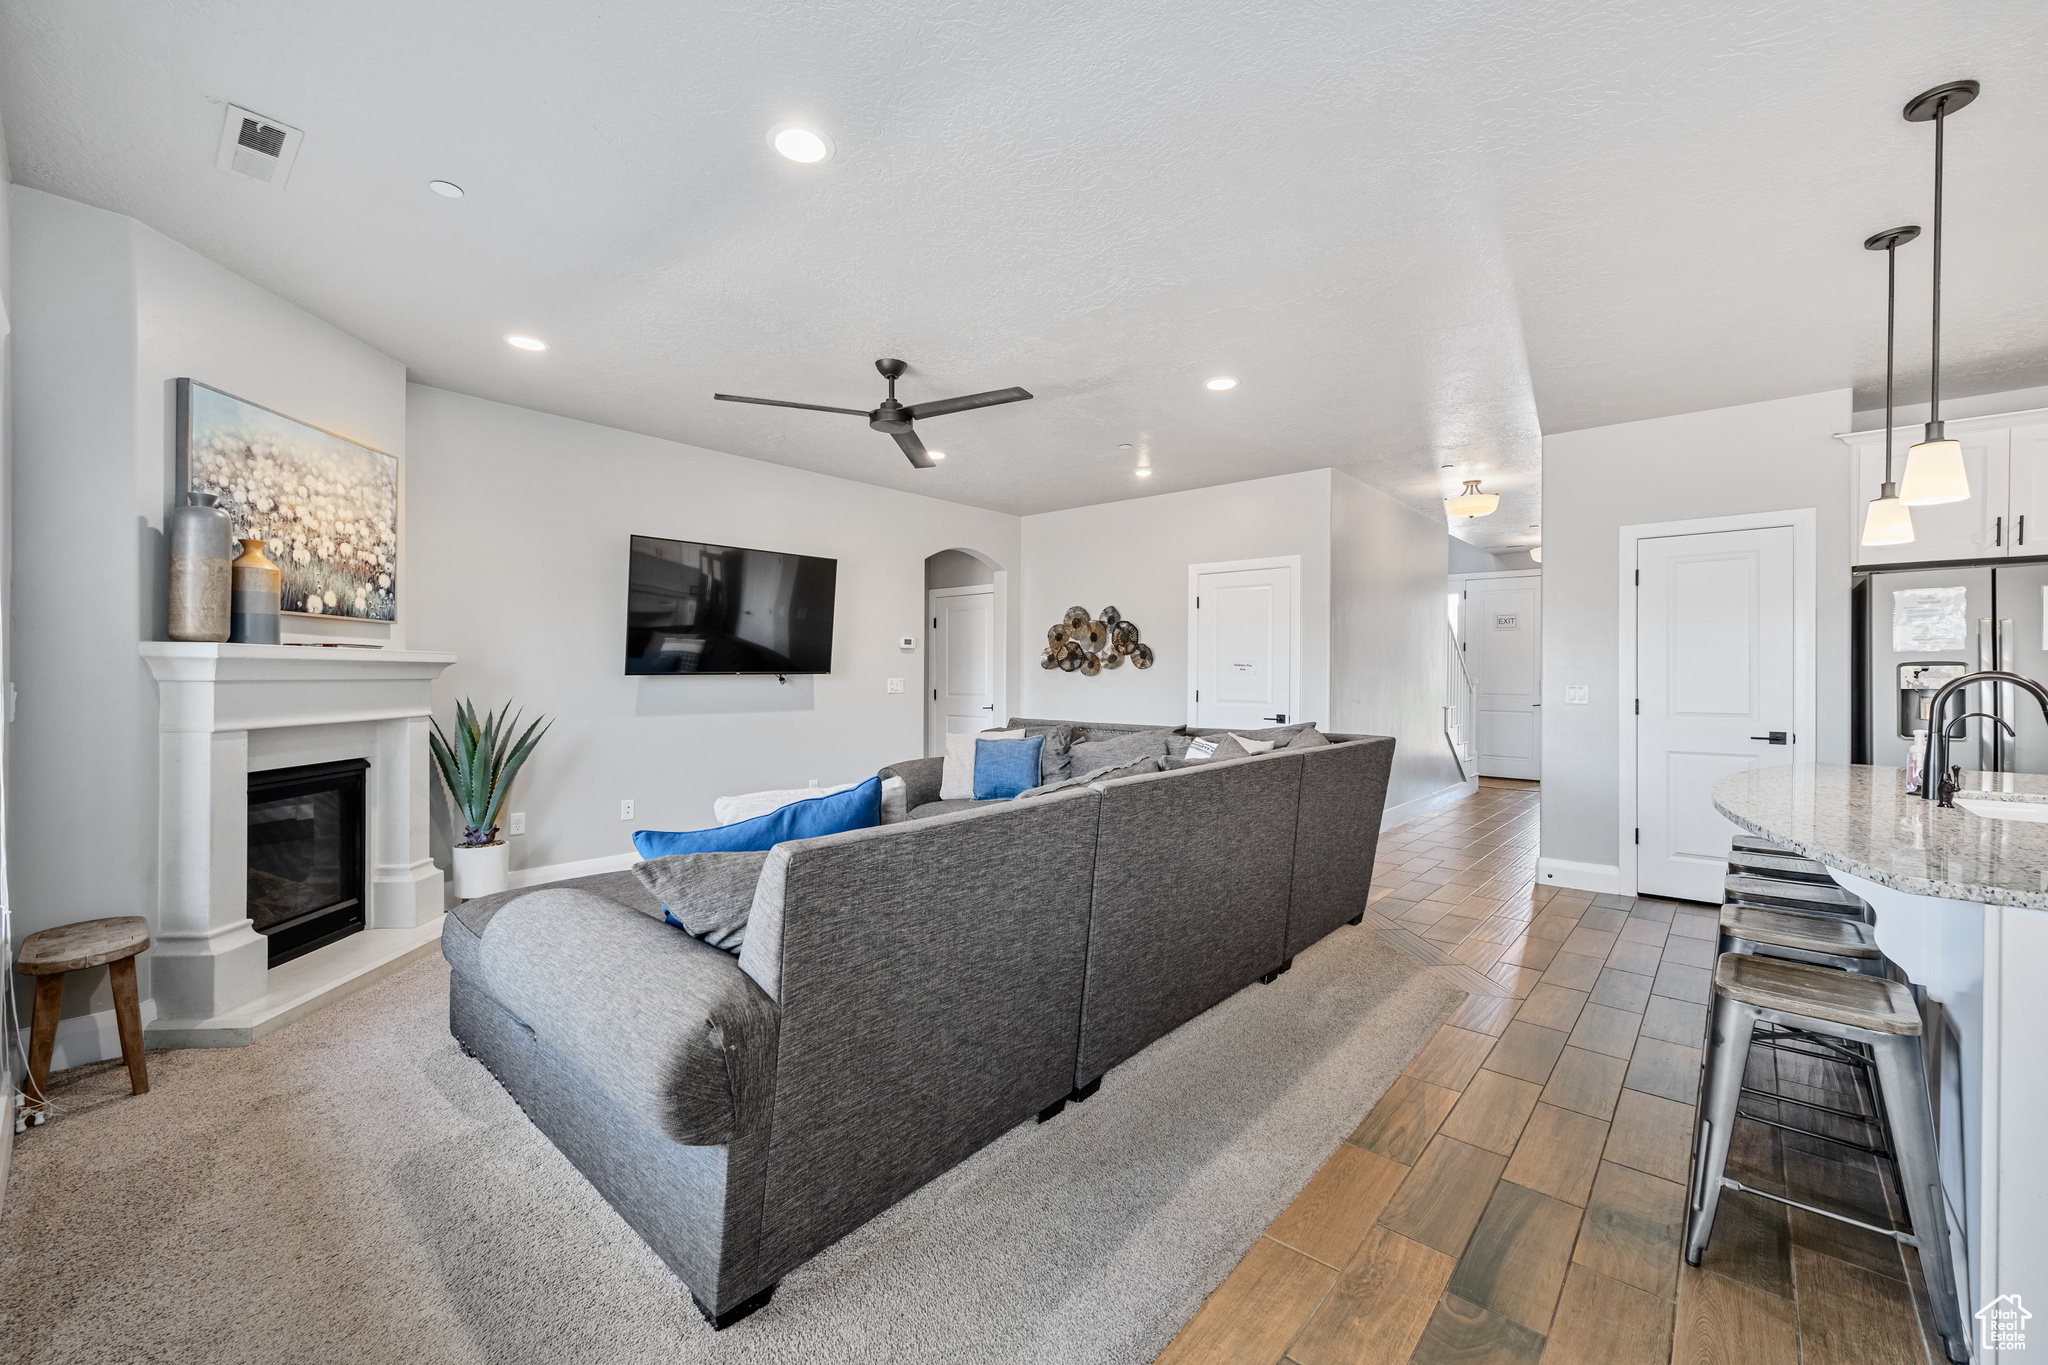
{"x": 477, "y": 767}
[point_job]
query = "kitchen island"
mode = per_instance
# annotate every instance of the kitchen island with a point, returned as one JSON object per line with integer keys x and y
{"x": 1962, "y": 907}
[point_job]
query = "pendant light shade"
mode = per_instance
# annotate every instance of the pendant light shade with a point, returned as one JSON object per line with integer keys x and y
{"x": 1887, "y": 522}
{"x": 1934, "y": 474}
{"x": 1536, "y": 554}
{"x": 1472, "y": 502}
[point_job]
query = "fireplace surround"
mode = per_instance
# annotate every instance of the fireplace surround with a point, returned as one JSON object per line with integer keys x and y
{"x": 227, "y": 712}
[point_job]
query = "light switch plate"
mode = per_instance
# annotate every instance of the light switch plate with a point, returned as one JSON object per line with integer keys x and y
{"x": 895, "y": 684}
{"x": 907, "y": 643}
{"x": 1575, "y": 694}
{"x": 626, "y": 809}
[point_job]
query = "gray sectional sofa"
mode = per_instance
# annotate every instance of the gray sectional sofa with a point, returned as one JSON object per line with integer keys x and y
{"x": 903, "y": 996}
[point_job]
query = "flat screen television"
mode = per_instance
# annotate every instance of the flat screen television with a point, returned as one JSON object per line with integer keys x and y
{"x": 697, "y": 608}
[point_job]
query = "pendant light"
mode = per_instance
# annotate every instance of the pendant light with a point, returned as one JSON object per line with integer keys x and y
{"x": 1934, "y": 467}
{"x": 1889, "y": 521}
{"x": 1472, "y": 502}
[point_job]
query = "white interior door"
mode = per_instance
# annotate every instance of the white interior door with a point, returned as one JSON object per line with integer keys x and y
{"x": 1244, "y": 647}
{"x": 1716, "y": 676}
{"x": 1503, "y": 639}
{"x": 962, "y": 661}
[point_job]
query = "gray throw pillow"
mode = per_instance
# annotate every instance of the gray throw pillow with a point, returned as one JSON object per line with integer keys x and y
{"x": 1112, "y": 751}
{"x": 1148, "y": 764}
{"x": 1226, "y": 747}
{"x": 1055, "y": 760}
{"x": 1307, "y": 739}
{"x": 1281, "y": 735}
{"x": 709, "y": 894}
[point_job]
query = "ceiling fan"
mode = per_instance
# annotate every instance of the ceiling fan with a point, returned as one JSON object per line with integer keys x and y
{"x": 894, "y": 417}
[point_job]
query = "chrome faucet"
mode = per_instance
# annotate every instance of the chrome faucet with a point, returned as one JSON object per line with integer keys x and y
{"x": 1939, "y": 783}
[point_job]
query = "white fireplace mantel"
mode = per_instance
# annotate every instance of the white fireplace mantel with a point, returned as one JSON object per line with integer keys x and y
{"x": 228, "y": 710}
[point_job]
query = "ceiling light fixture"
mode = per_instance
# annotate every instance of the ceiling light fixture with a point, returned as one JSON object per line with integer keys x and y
{"x": 1536, "y": 554}
{"x": 526, "y": 343}
{"x": 1889, "y": 521}
{"x": 936, "y": 454}
{"x": 1472, "y": 502}
{"x": 805, "y": 146}
{"x": 1144, "y": 473}
{"x": 1220, "y": 383}
{"x": 1934, "y": 467}
{"x": 447, "y": 189}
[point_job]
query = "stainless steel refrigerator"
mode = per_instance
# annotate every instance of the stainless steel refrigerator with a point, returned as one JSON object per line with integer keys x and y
{"x": 1917, "y": 628}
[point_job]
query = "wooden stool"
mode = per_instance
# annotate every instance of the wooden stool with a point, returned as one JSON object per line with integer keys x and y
{"x": 49, "y": 953}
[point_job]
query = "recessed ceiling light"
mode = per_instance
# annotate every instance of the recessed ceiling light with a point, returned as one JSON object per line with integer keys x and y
{"x": 804, "y": 145}
{"x": 1220, "y": 383}
{"x": 936, "y": 454}
{"x": 527, "y": 343}
{"x": 1144, "y": 473}
{"x": 447, "y": 189}
{"x": 1125, "y": 446}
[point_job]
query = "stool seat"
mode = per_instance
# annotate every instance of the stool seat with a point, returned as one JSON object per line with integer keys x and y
{"x": 1788, "y": 866}
{"x": 88, "y": 943}
{"x": 1866, "y": 1002}
{"x": 1813, "y": 897}
{"x": 1749, "y": 843}
{"x": 1835, "y": 935}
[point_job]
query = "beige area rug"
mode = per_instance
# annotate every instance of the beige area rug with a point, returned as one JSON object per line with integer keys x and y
{"x": 354, "y": 1189}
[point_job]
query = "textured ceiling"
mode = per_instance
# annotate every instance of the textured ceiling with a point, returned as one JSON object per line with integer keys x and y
{"x": 1407, "y": 229}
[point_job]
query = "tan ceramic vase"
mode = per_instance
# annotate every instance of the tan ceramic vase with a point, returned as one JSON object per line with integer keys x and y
{"x": 257, "y": 586}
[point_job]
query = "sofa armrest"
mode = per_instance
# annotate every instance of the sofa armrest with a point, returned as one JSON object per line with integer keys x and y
{"x": 670, "y": 1029}
{"x": 921, "y": 779}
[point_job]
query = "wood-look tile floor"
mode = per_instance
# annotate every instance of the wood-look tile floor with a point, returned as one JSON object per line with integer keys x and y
{"x": 1518, "y": 1193}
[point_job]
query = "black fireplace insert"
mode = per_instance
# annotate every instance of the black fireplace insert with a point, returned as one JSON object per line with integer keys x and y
{"x": 307, "y": 851}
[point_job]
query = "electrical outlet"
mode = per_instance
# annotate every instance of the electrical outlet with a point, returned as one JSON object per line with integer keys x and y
{"x": 895, "y": 684}
{"x": 515, "y": 823}
{"x": 1575, "y": 694}
{"x": 626, "y": 809}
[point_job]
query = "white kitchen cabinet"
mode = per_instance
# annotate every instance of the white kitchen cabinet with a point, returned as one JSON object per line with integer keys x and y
{"x": 2006, "y": 514}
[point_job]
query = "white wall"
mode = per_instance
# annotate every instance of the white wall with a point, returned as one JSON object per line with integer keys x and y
{"x": 520, "y": 569}
{"x": 1755, "y": 458}
{"x": 956, "y": 569}
{"x": 1134, "y": 556}
{"x": 1470, "y": 558}
{"x": 107, "y": 313}
{"x": 1388, "y": 621}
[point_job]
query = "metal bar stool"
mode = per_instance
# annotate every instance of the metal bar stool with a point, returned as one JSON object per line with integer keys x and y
{"x": 1749, "y": 843}
{"x": 1874, "y": 1011}
{"x": 1782, "y": 867}
{"x": 1810, "y": 898}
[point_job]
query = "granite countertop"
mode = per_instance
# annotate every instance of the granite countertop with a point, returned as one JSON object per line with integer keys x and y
{"x": 1859, "y": 820}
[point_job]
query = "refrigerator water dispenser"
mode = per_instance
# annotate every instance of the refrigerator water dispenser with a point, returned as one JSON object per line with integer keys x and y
{"x": 1917, "y": 685}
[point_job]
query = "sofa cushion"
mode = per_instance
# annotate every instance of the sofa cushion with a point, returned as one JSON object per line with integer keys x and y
{"x": 1309, "y": 738}
{"x": 1136, "y": 766}
{"x": 858, "y": 808}
{"x": 1055, "y": 761}
{"x": 957, "y": 783}
{"x": 920, "y": 777}
{"x": 1005, "y": 767}
{"x": 1115, "y": 750}
{"x": 669, "y": 1029}
{"x": 931, "y": 808}
{"x": 730, "y": 810}
{"x": 706, "y": 895}
{"x": 895, "y": 799}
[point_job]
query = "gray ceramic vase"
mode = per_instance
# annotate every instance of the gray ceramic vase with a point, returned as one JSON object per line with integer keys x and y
{"x": 202, "y": 537}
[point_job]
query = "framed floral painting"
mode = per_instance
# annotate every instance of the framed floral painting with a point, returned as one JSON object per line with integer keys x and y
{"x": 326, "y": 507}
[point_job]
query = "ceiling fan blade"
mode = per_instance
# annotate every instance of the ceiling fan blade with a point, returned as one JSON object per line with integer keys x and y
{"x": 917, "y": 412}
{"x": 782, "y": 403}
{"x": 920, "y": 458}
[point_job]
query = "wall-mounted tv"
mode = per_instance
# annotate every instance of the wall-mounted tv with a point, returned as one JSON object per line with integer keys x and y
{"x": 697, "y": 608}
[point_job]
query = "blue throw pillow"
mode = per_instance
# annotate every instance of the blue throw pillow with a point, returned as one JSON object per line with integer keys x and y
{"x": 856, "y": 808}
{"x": 1005, "y": 767}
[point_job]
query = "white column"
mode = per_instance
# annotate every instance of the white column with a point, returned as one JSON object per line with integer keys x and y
{"x": 206, "y": 956}
{"x": 405, "y": 886}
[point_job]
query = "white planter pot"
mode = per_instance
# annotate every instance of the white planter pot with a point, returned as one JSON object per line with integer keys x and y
{"x": 480, "y": 871}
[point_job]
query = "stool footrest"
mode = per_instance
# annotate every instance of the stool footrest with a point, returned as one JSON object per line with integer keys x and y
{"x": 1729, "y": 1182}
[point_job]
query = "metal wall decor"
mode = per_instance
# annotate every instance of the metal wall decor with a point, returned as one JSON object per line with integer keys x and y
{"x": 1084, "y": 644}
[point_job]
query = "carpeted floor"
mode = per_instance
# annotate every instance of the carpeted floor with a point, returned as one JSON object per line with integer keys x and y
{"x": 354, "y": 1189}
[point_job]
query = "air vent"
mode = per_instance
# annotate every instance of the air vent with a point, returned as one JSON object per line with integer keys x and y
{"x": 257, "y": 148}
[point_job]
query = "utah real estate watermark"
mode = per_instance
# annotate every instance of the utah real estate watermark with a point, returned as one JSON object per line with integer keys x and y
{"x": 2003, "y": 1324}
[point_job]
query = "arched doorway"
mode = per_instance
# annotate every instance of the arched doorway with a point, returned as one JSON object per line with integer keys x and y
{"x": 966, "y": 627}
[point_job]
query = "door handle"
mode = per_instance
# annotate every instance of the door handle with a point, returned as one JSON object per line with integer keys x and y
{"x": 990, "y": 707}
{"x": 1775, "y": 736}
{"x": 1279, "y": 719}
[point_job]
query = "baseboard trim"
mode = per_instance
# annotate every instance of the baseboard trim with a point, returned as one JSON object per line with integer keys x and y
{"x": 554, "y": 872}
{"x": 1423, "y": 805}
{"x": 95, "y": 1037}
{"x": 1604, "y": 878}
